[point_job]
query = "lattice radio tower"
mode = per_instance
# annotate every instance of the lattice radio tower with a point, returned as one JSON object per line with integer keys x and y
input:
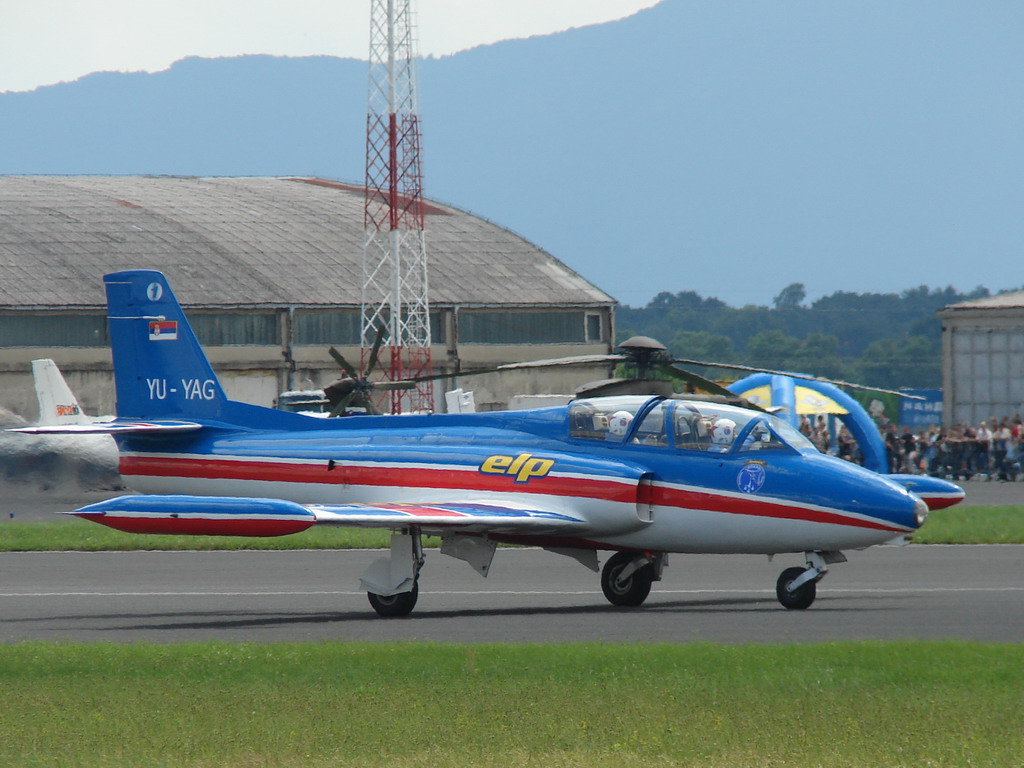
{"x": 394, "y": 289}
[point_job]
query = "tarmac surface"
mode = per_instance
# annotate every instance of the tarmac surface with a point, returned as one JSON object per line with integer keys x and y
{"x": 886, "y": 593}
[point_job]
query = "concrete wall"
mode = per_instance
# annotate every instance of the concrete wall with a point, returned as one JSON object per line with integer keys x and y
{"x": 982, "y": 365}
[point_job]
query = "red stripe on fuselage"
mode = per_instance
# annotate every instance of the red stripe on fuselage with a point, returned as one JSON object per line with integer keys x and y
{"x": 472, "y": 480}
{"x": 755, "y": 507}
{"x": 407, "y": 477}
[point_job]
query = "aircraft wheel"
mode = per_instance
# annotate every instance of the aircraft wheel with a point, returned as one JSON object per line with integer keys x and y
{"x": 631, "y": 591}
{"x": 802, "y": 597}
{"x": 395, "y": 605}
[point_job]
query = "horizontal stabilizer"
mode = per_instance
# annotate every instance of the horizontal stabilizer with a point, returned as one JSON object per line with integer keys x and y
{"x": 936, "y": 492}
{"x": 111, "y": 428}
{"x": 199, "y": 515}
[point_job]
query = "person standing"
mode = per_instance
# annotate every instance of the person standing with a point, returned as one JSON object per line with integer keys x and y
{"x": 983, "y": 445}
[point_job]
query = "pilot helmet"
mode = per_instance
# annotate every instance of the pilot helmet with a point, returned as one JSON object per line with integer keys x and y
{"x": 723, "y": 431}
{"x": 619, "y": 422}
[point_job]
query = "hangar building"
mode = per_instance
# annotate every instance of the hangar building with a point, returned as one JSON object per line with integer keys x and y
{"x": 983, "y": 359}
{"x": 269, "y": 271}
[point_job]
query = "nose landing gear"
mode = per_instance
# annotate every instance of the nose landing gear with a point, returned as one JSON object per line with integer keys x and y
{"x": 797, "y": 587}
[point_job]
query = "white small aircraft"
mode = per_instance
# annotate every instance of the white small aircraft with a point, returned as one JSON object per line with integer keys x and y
{"x": 57, "y": 403}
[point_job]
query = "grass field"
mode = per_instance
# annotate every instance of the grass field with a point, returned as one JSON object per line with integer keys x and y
{"x": 973, "y": 525}
{"x": 205, "y": 705}
{"x": 957, "y": 525}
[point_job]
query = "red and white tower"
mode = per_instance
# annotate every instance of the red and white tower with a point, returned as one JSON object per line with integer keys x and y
{"x": 394, "y": 289}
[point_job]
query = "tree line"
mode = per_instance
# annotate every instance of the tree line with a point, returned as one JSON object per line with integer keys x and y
{"x": 885, "y": 340}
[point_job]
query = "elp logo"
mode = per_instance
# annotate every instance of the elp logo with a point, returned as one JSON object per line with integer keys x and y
{"x": 522, "y": 467}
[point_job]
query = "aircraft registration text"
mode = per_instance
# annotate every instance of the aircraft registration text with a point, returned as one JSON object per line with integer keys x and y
{"x": 193, "y": 389}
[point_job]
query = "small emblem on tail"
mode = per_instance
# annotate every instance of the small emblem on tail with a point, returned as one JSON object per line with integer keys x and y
{"x": 163, "y": 330}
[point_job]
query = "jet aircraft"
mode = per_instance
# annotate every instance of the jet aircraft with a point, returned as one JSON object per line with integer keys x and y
{"x": 639, "y": 477}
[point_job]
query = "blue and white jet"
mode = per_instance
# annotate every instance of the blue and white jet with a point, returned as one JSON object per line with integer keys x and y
{"x": 639, "y": 477}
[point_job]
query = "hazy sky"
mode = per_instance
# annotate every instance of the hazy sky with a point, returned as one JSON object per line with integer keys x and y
{"x": 49, "y": 41}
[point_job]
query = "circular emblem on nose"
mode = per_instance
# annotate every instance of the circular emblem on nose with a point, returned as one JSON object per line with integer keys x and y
{"x": 751, "y": 478}
{"x": 154, "y": 291}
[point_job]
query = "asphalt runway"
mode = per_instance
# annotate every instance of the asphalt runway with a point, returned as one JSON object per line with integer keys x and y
{"x": 887, "y": 593}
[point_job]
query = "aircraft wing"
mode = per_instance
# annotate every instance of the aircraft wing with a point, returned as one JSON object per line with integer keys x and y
{"x": 239, "y": 516}
{"x": 110, "y": 428}
{"x": 469, "y": 516}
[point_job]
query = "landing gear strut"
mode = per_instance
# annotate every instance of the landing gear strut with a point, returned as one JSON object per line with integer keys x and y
{"x": 392, "y": 583}
{"x": 627, "y": 577}
{"x": 797, "y": 587}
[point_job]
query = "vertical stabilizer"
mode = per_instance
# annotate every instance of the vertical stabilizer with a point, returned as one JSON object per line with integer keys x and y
{"x": 57, "y": 403}
{"x": 160, "y": 370}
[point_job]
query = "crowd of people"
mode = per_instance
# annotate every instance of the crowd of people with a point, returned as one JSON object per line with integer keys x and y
{"x": 994, "y": 450}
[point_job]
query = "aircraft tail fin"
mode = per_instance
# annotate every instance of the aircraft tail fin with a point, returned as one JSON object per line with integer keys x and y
{"x": 160, "y": 370}
{"x": 57, "y": 403}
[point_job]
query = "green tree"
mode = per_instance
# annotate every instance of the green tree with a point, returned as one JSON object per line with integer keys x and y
{"x": 772, "y": 349}
{"x": 791, "y": 297}
{"x": 701, "y": 345}
{"x": 896, "y": 363}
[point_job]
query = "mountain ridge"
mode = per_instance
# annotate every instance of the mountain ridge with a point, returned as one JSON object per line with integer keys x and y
{"x": 726, "y": 149}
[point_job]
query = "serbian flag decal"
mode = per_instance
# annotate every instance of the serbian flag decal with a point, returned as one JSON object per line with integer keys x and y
{"x": 163, "y": 330}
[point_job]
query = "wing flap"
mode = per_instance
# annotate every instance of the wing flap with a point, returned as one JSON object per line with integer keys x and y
{"x": 470, "y": 516}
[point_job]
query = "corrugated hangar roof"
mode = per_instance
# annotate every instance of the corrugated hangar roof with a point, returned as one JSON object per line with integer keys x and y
{"x": 249, "y": 241}
{"x": 1010, "y": 300}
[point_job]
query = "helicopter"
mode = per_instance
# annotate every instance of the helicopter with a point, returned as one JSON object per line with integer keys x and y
{"x": 641, "y": 477}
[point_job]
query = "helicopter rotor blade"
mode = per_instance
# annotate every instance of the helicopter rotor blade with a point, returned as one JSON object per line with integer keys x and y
{"x": 374, "y": 351}
{"x": 556, "y": 361}
{"x": 341, "y": 405}
{"x": 696, "y": 380}
{"x": 387, "y": 386}
{"x": 567, "y": 361}
{"x": 367, "y": 402}
{"x": 804, "y": 376}
{"x": 343, "y": 363}
{"x": 611, "y": 387}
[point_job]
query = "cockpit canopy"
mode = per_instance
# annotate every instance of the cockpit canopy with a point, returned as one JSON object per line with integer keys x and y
{"x": 682, "y": 424}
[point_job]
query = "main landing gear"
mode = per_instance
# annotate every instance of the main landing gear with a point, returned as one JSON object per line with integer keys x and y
{"x": 797, "y": 587}
{"x": 627, "y": 577}
{"x": 392, "y": 583}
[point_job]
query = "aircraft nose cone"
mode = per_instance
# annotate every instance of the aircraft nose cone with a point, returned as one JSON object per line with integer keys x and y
{"x": 920, "y": 511}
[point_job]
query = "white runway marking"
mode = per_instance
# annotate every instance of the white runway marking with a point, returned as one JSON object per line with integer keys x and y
{"x": 846, "y": 590}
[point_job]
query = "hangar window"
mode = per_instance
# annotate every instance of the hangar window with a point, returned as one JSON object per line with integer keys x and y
{"x": 479, "y": 327}
{"x": 325, "y": 328}
{"x": 236, "y": 329}
{"x": 37, "y": 330}
{"x": 343, "y": 328}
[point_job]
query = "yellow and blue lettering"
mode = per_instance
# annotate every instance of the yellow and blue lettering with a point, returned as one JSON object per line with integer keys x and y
{"x": 523, "y": 467}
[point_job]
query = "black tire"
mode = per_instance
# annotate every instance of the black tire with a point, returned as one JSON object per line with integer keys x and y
{"x": 395, "y": 605}
{"x": 802, "y": 597}
{"x": 634, "y": 590}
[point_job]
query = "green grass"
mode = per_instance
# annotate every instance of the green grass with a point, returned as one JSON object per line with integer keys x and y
{"x": 956, "y": 525}
{"x": 973, "y": 525}
{"x": 205, "y": 705}
{"x": 82, "y": 535}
